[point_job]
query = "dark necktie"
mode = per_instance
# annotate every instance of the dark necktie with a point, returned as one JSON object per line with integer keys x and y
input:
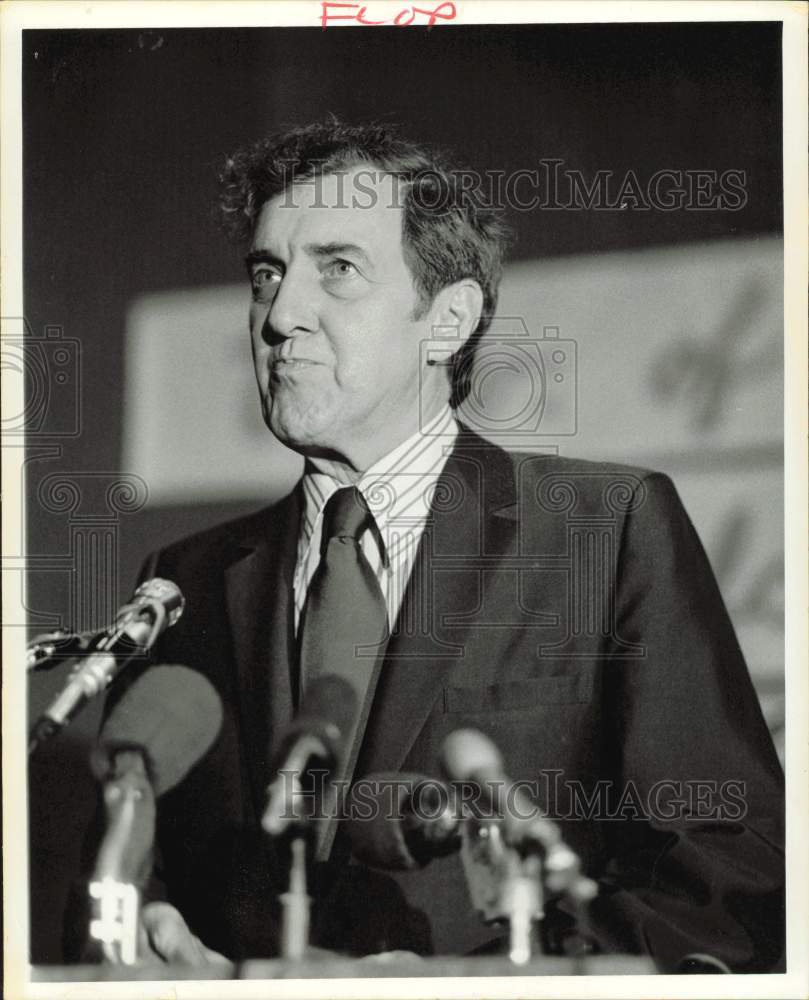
{"x": 344, "y": 625}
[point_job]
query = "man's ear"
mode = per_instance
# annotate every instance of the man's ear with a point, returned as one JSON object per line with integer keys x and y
{"x": 456, "y": 314}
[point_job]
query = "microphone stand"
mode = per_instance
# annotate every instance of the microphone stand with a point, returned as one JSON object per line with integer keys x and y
{"x": 503, "y": 885}
{"x": 285, "y": 815}
{"x": 507, "y": 884}
{"x": 49, "y": 650}
{"x": 296, "y": 904}
{"x": 124, "y": 859}
{"x": 311, "y": 751}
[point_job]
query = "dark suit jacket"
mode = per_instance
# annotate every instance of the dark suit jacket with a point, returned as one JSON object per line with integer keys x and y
{"x": 566, "y": 609}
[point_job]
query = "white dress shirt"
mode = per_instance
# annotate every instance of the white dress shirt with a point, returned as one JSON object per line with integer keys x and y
{"x": 398, "y": 490}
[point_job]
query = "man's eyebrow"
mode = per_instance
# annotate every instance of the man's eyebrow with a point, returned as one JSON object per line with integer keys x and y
{"x": 260, "y": 257}
{"x": 316, "y": 250}
{"x": 336, "y": 250}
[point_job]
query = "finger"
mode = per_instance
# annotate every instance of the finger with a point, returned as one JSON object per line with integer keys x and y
{"x": 212, "y": 957}
{"x": 146, "y": 952}
{"x": 169, "y": 935}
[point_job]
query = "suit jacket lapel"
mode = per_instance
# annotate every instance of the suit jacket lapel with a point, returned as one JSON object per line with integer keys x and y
{"x": 472, "y": 515}
{"x": 258, "y": 586}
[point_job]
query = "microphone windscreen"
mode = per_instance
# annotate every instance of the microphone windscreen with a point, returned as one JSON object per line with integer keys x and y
{"x": 328, "y": 711}
{"x": 467, "y": 754}
{"x": 172, "y": 714}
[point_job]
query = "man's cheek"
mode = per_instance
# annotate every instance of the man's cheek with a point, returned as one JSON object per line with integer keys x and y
{"x": 352, "y": 370}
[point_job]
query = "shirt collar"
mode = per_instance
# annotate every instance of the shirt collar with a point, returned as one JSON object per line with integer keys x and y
{"x": 398, "y": 488}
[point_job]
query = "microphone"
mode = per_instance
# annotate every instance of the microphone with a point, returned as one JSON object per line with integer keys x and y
{"x": 156, "y": 605}
{"x": 399, "y": 822}
{"x": 162, "y": 726}
{"x": 171, "y": 715}
{"x": 469, "y": 757}
{"x": 315, "y": 741}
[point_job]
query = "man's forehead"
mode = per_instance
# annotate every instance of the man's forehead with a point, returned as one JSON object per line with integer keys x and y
{"x": 362, "y": 184}
{"x": 356, "y": 203}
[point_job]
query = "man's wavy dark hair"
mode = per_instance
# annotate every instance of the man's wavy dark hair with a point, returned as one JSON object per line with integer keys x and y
{"x": 447, "y": 234}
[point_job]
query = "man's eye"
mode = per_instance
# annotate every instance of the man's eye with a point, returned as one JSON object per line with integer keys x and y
{"x": 340, "y": 269}
{"x": 264, "y": 282}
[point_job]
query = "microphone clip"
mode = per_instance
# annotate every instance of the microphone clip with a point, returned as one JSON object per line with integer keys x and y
{"x": 114, "y": 926}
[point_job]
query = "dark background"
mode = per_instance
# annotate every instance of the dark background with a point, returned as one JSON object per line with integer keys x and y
{"x": 124, "y": 132}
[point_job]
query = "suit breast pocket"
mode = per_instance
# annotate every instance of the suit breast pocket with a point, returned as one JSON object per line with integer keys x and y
{"x": 523, "y": 695}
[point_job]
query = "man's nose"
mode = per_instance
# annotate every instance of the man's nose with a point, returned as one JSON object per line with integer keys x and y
{"x": 292, "y": 310}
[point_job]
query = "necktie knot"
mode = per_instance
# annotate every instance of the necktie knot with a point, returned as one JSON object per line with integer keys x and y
{"x": 346, "y": 515}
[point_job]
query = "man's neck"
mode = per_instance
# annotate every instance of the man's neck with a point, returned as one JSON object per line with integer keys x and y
{"x": 349, "y": 472}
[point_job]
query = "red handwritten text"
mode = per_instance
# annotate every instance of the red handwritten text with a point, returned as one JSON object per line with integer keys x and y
{"x": 408, "y": 15}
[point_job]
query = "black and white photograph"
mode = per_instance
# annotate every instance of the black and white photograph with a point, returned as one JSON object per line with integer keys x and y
{"x": 404, "y": 469}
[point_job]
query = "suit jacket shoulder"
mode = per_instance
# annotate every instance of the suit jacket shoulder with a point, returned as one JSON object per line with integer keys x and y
{"x": 213, "y": 546}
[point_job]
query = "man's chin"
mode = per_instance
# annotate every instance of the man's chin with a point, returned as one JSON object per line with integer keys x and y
{"x": 297, "y": 434}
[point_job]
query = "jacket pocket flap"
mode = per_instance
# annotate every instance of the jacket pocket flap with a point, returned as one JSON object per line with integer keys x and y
{"x": 565, "y": 689}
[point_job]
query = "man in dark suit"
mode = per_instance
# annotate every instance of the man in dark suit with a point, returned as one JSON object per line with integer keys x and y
{"x": 564, "y": 608}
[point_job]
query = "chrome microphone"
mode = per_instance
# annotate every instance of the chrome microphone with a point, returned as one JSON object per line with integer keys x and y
{"x": 156, "y": 605}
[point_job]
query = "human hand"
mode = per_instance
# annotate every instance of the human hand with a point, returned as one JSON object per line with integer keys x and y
{"x": 164, "y": 936}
